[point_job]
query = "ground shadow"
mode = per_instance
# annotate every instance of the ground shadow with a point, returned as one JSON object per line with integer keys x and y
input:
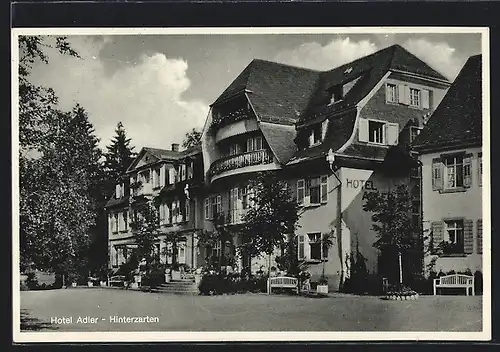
{"x": 29, "y": 323}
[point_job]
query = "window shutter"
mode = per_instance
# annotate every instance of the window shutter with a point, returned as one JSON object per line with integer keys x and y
{"x": 437, "y": 174}
{"x": 324, "y": 128}
{"x": 425, "y": 98}
{"x": 162, "y": 176}
{"x": 437, "y": 234}
{"x": 480, "y": 236}
{"x": 388, "y": 95}
{"x": 402, "y": 94}
{"x": 307, "y": 193}
{"x": 324, "y": 188}
{"x": 363, "y": 130}
{"x": 186, "y": 211}
{"x": 171, "y": 175}
{"x": 468, "y": 237}
{"x": 300, "y": 192}
{"x": 324, "y": 249}
{"x": 467, "y": 170}
{"x": 301, "y": 250}
{"x": 117, "y": 191}
{"x": 392, "y": 133}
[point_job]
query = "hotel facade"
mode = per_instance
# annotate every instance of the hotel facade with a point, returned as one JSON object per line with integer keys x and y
{"x": 333, "y": 136}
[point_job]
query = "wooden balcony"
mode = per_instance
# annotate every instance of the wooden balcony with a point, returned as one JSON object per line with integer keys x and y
{"x": 233, "y": 162}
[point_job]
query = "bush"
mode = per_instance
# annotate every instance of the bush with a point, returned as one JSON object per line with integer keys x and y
{"x": 154, "y": 278}
{"x": 32, "y": 281}
{"x": 219, "y": 283}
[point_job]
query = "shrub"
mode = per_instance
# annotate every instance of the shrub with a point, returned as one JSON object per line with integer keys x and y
{"x": 32, "y": 281}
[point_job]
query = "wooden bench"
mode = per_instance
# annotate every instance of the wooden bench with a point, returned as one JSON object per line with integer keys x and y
{"x": 282, "y": 282}
{"x": 455, "y": 281}
{"x": 120, "y": 279}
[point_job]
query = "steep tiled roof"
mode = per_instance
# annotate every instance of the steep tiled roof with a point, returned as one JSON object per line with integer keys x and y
{"x": 369, "y": 70}
{"x": 280, "y": 139}
{"x": 458, "y": 118}
{"x": 287, "y": 95}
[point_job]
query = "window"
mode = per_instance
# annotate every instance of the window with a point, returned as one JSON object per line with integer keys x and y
{"x": 454, "y": 237}
{"x": 234, "y": 149}
{"x": 116, "y": 224}
{"x": 189, "y": 170}
{"x": 216, "y": 206}
{"x": 186, "y": 210}
{"x": 414, "y": 132}
{"x": 207, "y": 209}
{"x": 454, "y": 175}
{"x": 145, "y": 177}
{"x": 480, "y": 169}
{"x": 312, "y": 191}
{"x": 415, "y": 97}
{"x": 254, "y": 143}
{"x": 315, "y": 246}
{"x": 376, "y": 132}
{"x": 390, "y": 95}
{"x": 315, "y": 136}
{"x": 336, "y": 94}
{"x": 125, "y": 220}
{"x": 216, "y": 249}
{"x": 156, "y": 178}
{"x": 181, "y": 253}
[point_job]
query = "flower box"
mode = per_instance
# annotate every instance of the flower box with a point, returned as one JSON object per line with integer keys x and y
{"x": 90, "y": 284}
{"x": 176, "y": 275}
{"x": 322, "y": 289}
{"x": 103, "y": 283}
{"x": 73, "y": 284}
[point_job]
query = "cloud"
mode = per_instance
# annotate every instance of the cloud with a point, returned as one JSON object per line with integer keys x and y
{"x": 440, "y": 56}
{"x": 325, "y": 57}
{"x": 147, "y": 95}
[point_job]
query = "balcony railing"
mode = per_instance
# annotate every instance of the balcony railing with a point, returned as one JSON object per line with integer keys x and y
{"x": 230, "y": 117}
{"x": 258, "y": 157}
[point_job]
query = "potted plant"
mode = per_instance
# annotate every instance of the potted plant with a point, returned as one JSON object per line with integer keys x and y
{"x": 168, "y": 273}
{"x": 175, "y": 271}
{"x": 322, "y": 286}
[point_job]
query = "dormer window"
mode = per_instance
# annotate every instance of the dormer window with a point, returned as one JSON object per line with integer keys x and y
{"x": 414, "y": 132}
{"x": 315, "y": 135}
{"x": 336, "y": 94}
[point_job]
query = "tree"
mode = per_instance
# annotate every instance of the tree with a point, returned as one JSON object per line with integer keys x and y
{"x": 146, "y": 230}
{"x": 36, "y": 103}
{"x": 272, "y": 217}
{"x": 192, "y": 139}
{"x": 118, "y": 157}
{"x": 393, "y": 224}
{"x": 58, "y": 195}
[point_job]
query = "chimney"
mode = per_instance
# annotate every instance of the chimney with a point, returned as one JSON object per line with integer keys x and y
{"x": 175, "y": 147}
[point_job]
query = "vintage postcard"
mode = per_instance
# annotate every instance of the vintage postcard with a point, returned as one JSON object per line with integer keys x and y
{"x": 251, "y": 184}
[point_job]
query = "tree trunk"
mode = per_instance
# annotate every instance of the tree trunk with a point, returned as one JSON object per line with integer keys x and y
{"x": 400, "y": 266}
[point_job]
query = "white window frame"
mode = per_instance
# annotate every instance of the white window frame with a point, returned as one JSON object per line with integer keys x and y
{"x": 413, "y": 128}
{"x": 453, "y": 167}
{"x": 455, "y": 226}
{"x": 383, "y": 136}
{"x": 415, "y": 97}
{"x": 391, "y": 87}
{"x": 303, "y": 184}
{"x": 208, "y": 208}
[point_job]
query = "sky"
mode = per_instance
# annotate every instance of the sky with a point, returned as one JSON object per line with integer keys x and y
{"x": 161, "y": 86}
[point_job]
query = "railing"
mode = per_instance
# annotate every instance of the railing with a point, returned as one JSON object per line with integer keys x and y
{"x": 232, "y": 162}
{"x": 230, "y": 117}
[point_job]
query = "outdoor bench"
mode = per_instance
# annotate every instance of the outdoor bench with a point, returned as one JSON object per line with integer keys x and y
{"x": 282, "y": 282}
{"x": 455, "y": 281}
{"x": 119, "y": 279}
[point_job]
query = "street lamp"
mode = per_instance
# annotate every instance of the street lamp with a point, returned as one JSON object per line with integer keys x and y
{"x": 330, "y": 158}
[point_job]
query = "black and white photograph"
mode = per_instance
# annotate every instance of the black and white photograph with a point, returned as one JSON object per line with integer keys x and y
{"x": 220, "y": 184}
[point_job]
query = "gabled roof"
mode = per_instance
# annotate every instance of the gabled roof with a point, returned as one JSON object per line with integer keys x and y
{"x": 458, "y": 118}
{"x": 165, "y": 154}
{"x": 370, "y": 70}
{"x": 278, "y": 93}
{"x": 294, "y": 96}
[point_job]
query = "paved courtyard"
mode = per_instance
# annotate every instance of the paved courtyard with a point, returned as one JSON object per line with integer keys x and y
{"x": 249, "y": 312}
